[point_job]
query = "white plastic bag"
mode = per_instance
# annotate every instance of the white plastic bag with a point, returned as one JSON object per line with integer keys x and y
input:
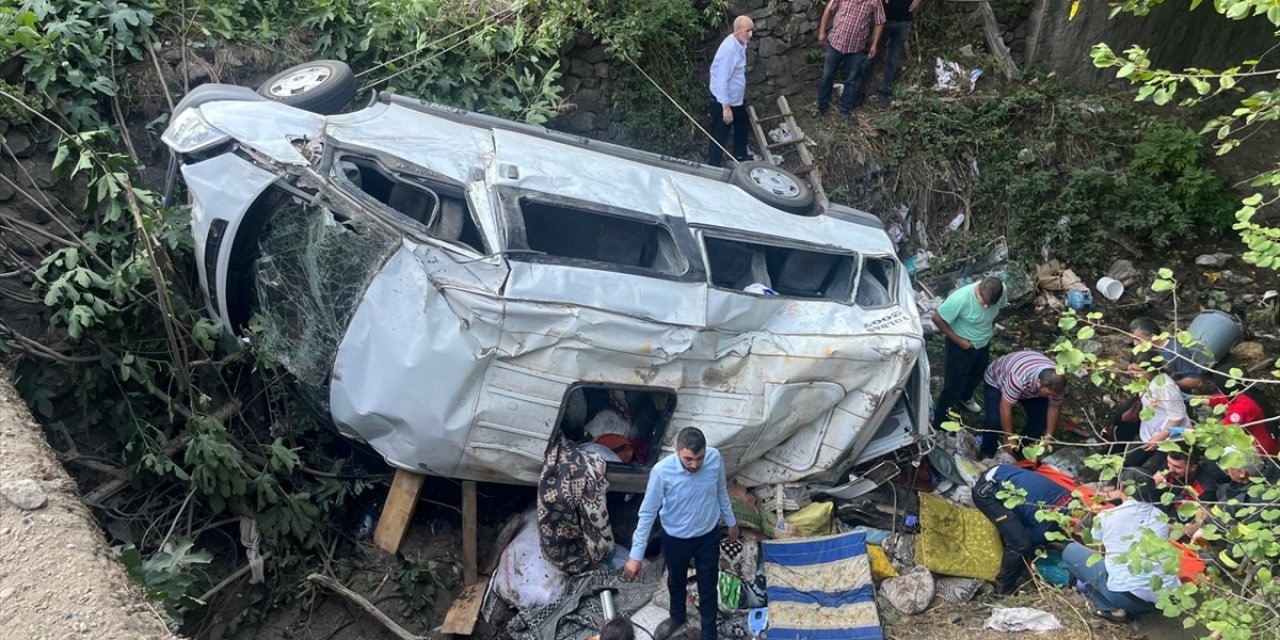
{"x": 1022, "y": 619}
{"x": 524, "y": 578}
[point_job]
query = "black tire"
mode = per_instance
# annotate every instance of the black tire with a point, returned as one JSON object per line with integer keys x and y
{"x": 325, "y": 87}
{"x": 774, "y": 186}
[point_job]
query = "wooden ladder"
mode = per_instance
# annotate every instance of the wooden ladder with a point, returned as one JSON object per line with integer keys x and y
{"x": 807, "y": 169}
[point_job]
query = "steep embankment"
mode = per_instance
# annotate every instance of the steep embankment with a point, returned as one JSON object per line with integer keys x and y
{"x": 58, "y": 578}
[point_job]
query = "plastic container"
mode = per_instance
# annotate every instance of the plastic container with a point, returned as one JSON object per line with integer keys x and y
{"x": 1079, "y": 298}
{"x": 1110, "y": 288}
{"x": 1215, "y": 332}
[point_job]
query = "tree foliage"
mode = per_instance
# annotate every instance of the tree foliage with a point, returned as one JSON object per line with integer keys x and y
{"x": 1256, "y": 108}
{"x": 1236, "y": 598}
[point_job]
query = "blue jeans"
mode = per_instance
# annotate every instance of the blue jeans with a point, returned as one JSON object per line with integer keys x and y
{"x": 1076, "y": 556}
{"x": 852, "y": 67}
{"x": 892, "y": 39}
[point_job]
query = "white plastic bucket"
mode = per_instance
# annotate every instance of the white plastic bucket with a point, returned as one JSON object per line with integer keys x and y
{"x": 1110, "y": 288}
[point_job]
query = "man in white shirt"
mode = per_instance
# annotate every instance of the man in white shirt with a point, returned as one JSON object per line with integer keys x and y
{"x": 728, "y": 87}
{"x": 1118, "y": 591}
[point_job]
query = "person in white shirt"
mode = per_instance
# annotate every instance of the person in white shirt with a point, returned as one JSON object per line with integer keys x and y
{"x": 1162, "y": 404}
{"x": 1118, "y": 591}
{"x": 728, "y": 88}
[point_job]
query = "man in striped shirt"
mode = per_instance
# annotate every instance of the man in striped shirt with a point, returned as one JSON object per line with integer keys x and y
{"x": 1028, "y": 378}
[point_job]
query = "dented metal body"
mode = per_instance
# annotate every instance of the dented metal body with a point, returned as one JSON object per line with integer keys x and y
{"x": 455, "y": 358}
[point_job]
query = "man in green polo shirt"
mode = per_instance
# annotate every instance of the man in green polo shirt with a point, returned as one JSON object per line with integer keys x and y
{"x": 966, "y": 318}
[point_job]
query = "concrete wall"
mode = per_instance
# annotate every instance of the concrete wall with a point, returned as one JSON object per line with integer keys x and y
{"x": 1179, "y": 38}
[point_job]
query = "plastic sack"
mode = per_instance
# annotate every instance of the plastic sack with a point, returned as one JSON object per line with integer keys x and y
{"x": 524, "y": 577}
{"x": 881, "y": 568}
{"x": 955, "y": 541}
{"x": 813, "y": 520}
{"x": 1053, "y": 569}
{"x": 911, "y": 592}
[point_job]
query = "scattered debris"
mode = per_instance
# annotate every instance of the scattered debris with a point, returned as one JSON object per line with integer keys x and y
{"x": 26, "y": 494}
{"x": 952, "y": 77}
{"x": 1124, "y": 271}
{"x": 1022, "y": 619}
{"x": 966, "y": 51}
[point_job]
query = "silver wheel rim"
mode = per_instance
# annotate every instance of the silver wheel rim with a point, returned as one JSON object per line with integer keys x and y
{"x": 775, "y": 182}
{"x": 300, "y": 81}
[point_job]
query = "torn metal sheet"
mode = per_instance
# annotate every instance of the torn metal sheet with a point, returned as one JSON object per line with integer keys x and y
{"x": 441, "y": 281}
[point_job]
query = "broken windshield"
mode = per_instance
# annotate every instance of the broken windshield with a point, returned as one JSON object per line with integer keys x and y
{"x": 312, "y": 270}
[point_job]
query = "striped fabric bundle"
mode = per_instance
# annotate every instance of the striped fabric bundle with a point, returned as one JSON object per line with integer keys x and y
{"x": 820, "y": 589}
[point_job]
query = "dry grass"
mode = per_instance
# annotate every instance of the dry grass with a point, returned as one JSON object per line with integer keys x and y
{"x": 965, "y": 621}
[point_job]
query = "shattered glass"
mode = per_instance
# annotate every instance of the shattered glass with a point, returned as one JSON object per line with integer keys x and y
{"x": 312, "y": 269}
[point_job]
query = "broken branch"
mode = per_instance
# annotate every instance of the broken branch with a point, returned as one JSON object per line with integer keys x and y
{"x": 360, "y": 601}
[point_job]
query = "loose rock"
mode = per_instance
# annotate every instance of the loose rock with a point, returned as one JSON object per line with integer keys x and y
{"x": 1213, "y": 260}
{"x": 25, "y": 494}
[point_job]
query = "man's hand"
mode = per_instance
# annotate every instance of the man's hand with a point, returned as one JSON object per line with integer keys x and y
{"x": 963, "y": 343}
{"x": 822, "y": 37}
{"x": 732, "y": 533}
{"x": 726, "y": 114}
{"x": 632, "y": 568}
{"x": 1159, "y": 477}
{"x": 871, "y": 53}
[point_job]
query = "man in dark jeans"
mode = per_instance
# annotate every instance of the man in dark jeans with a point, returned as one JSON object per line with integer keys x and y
{"x": 897, "y": 27}
{"x": 688, "y": 491}
{"x": 967, "y": 318}
{"x": 851, "y": 21}
{"x": 728, "y": 86}
{"x": 1026, "y": 378}
{"x": 1020, "y": 532}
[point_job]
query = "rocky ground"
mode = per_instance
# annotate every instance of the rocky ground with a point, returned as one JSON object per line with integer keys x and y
{"x": 58, "y": 578}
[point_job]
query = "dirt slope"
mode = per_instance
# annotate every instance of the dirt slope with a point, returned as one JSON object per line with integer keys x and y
{"x": 58, "y": 578}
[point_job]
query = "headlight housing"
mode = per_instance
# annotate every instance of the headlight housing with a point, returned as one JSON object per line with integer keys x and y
{"x": 189, "y": 133}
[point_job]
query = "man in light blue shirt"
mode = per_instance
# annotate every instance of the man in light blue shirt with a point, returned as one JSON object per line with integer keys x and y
{"x": 689, "y": 491}
{"x": 728, "y": 89}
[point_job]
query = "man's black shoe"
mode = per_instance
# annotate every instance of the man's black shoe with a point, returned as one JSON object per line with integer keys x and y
{"x": 666, "y": 628}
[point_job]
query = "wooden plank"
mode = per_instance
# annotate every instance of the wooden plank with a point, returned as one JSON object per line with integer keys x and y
{"x": 806, "y": 158}
{"x": 995, "y": 44}
{"x": 462, "y": 616}
{"x": 402, "y": 499}
{"x": 469, "y": 532}
{"x": 762, "y": 142}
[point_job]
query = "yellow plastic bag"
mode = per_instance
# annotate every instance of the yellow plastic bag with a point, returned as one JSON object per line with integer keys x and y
{"x": 881, "y": 568}
{"x": 813, "y": 520}
{"x": 955, "y": 541}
